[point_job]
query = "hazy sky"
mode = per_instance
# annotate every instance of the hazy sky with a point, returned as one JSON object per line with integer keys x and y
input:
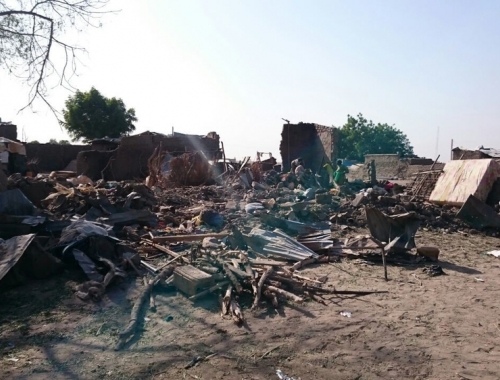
{"x": 238, "y": 67}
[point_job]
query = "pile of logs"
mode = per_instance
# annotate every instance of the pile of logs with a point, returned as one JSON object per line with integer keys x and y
{"x": 236, "y": 274}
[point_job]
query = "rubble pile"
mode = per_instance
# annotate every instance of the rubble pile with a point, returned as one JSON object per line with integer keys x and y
{"x": 245, "y": 238}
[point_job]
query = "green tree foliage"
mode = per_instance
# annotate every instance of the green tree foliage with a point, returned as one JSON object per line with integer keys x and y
{"x": 360, "y": 136}
{"x": 34, "y": 142}
{"x": 89, "y": 115}
{"x": 60, "y": 142}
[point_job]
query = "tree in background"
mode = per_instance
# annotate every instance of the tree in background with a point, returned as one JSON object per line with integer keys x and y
{"x": 33, "y": 33}
{"x": 89, "y": 116}
{"x": 360, "y": 136}
{"x": 60, "y": 142}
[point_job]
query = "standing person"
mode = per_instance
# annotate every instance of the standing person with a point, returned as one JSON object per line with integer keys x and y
{"x": 331, "y": 173}
{"x": 300, "y": 172}
{"x": 340, "y": 174}
{"x": 295, "y": 163}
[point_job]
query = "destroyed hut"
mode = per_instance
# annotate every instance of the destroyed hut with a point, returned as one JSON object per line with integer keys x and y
{"x": 130, "y": 159}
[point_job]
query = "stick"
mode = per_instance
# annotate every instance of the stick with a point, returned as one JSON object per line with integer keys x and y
{"x": 249, "y": 270}
{"x": 194, "y": 237}
{"x": 134, "y": 314}
{"x": 306, "y": 279}
{"x": 271, "y": 350}
{"x": 284, "y": 293}
{"x": 303, "y": 263}
{"x": 210, "y": 290}
{"x": 226, "y": 301}
{"x": 170, "y": 262}
{"x": 236, "y": 312}
{"x": 271, "y": 296}
{"x": 263, "y": 278}
{"x": 316, "y": 298}
{"x": 385, "y": 264}
{"x": 166, "y": 250}
{"x": 231, "y": 276}
{"x": 149, "y": 267}
{"x": 352, "y": 292}
{"x": 131, "y": 263}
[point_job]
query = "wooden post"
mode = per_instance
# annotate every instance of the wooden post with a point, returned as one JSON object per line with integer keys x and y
{"x": 384, "y": 263}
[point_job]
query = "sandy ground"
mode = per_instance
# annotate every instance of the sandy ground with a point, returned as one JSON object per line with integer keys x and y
{"x": 442, "y": 327}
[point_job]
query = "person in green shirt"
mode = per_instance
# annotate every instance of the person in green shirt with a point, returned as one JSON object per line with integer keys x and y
{"x": 340, "y": 174}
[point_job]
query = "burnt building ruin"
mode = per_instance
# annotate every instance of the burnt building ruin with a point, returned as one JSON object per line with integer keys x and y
{"x": 316, "y": 144}
{"x": 130, "y": 159}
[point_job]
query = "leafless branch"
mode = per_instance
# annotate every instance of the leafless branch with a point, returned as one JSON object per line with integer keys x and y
{"x": 32, "y": 31}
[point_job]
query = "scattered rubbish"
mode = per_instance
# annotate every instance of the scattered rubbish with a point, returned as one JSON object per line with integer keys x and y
{"x": 282, "y": 375}
{"x": 241, "y": 232}
{"x": 494, "y": 253}
{"x": 433, "y": 270}
{"x": 197, "y": 359}
{"x": 212, "y": 218}
{"x": 277, "y": 243}
{"x": 251, "y": 208}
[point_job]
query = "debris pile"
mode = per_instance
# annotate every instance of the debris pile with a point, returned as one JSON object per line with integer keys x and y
{"x": 244, "y": 235}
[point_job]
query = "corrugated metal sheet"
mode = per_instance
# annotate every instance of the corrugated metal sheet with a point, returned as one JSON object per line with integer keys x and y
{"x": 493, "y": 153}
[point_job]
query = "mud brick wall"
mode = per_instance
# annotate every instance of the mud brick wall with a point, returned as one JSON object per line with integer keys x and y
{"x": 388, "y": 166}
{"x": 463, "y": 154}
{"x": 9, "y": 131}
{"x": 92, "y": 162}
{"x": 53, "y": 156}
{"x": 316, "y": 144}
{"x": 130, "y": 159}
{"x": 421, "y": 161}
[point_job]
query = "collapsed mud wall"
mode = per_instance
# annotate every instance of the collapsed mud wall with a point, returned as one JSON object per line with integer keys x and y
{"x": 464, "y": 154}
{"x": 130, "y": 159}
{"x": 53, "y": 156}
{"x": 316, "y": 144}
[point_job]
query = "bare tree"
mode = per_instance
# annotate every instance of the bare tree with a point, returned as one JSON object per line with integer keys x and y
{"x": 33, "y": 45}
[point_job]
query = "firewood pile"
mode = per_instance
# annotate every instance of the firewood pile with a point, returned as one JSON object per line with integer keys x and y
{"x": 243, "y": 280}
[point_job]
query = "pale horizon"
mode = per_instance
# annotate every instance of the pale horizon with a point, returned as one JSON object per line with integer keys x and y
{"x": 237, "y": 68}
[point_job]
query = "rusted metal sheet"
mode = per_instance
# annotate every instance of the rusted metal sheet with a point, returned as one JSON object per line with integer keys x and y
{"x": 478, "y": 214}
{"x": 398, "y": 231}
{"x": 11, "y": 251}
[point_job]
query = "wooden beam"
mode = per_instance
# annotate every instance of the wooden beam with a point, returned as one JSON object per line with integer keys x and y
{"x": 194, "y": 237}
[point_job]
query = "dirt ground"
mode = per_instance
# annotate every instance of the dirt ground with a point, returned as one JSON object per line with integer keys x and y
{"x": 425, "y": 327}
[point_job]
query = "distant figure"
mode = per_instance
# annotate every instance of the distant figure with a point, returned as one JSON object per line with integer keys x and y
{"x": 300, "y": 172}
{"x": 340, "y": 174}
{"x": 372, "y": 172}
{"x": 295, "y": 163}
{"x": 331, "y": 173}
